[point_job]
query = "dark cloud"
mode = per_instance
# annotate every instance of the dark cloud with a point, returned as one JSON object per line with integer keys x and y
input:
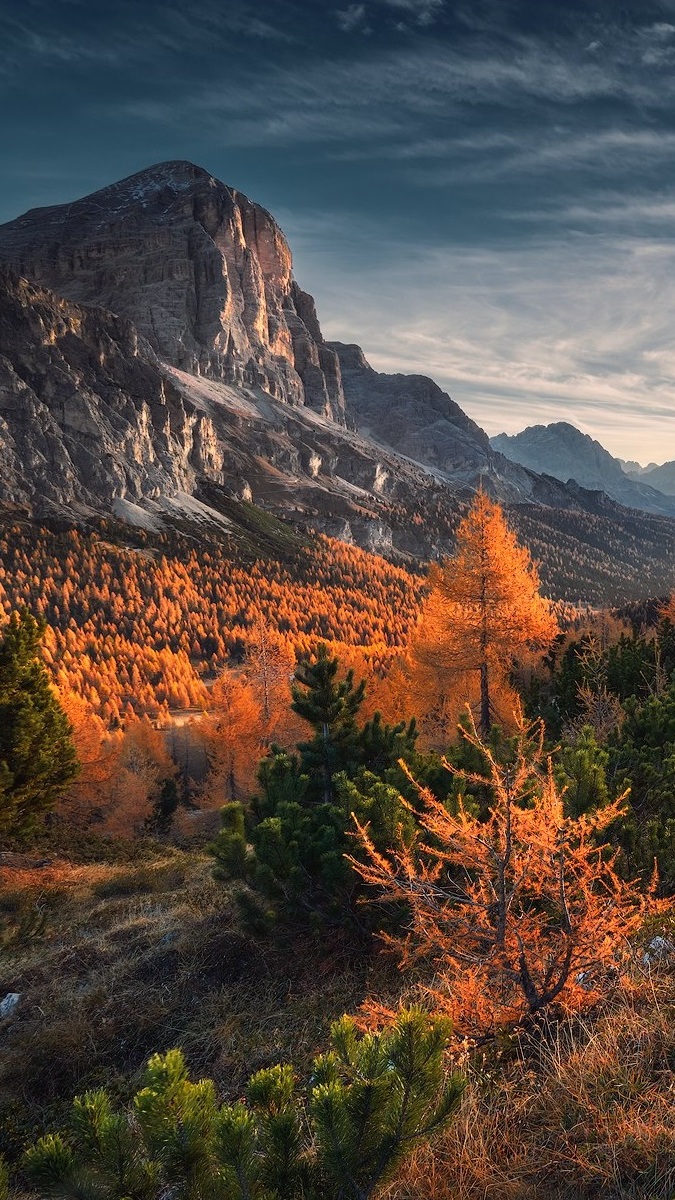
{"x": 475, "y": 147}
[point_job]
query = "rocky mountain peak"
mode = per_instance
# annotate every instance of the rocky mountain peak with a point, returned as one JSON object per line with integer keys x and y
{"x": 204, "y": 273}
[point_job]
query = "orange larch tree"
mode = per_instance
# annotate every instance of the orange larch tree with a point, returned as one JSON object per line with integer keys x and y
{"x": 234, "y": 736}
{"x": 483, "y": 609}
{"x": 270, "y": 664}
{"x": 514, "y": 912}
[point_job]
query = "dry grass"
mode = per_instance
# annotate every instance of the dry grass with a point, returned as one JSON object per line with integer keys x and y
{"x": 133, "y": 957}
{"x": 583, "y": 1112}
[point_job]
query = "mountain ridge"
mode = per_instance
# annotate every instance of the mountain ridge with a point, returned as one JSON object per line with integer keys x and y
{"x": 204, "y": 273}
{"x": 159, "y": 362}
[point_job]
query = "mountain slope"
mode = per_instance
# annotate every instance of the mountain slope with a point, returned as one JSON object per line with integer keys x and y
{"x": 86, "y": 413}
{"x": 566, "y": 453}
{"x": 661, "y": 477}
{"x": 411, "y": 414}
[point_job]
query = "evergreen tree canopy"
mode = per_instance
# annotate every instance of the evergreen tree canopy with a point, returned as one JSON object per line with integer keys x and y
{"x": 330, "y": 706}
{"x": 370, "y": 1100}
{"x": 582, "y": 774}
{"x": 642, "y": 757}
{"x": 292, "y": 842}
{"x": 37, "y": 753}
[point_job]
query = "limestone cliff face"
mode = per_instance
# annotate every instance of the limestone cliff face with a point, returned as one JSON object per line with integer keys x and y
{"x": 86, "y": 414}
{"x": 203, "y": 273}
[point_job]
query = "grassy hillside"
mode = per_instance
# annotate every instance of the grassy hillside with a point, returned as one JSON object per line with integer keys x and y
{"x": 117, "y": 959}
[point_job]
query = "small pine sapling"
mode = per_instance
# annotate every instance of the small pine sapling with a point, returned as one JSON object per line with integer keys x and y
{"x": 369, "y": 1101}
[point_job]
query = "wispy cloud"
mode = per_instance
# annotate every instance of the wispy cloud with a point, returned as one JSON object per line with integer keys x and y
{"x": 20, "y": 41}
{"x": 538, "y": 151}
{"x": 605, "y": 209}
{"x": 423, "y": 12}
{"x": 392, "y": 91}
{"x": 576, "y": 328}
{"x": 128, "y": 33}
{"x": 353, "y": 17}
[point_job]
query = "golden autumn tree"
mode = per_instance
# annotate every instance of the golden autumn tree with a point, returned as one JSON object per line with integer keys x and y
{"x": 97, "y": 754}
{"x": 270, "y": 664}
{"x": 234, "y": 735}
{"x": 483, "y": 609}
{"x": 140, "y": 767}
{"x": 513, "y": 912}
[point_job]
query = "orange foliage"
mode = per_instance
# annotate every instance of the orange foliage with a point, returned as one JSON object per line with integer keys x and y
{"x": 96, "y": 752}
{"x": 141, "y": 764}
{"x": 270, "y": 664}
{"x": 233, "y": 733}
{"x": 141, "y": 630}
{"x": 516, "y": 912}
{"x": 121, "y": 772}
{"x": 483, "y": 610}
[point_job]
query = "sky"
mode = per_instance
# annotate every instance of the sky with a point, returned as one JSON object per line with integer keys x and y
{"x": 482, "y": 191}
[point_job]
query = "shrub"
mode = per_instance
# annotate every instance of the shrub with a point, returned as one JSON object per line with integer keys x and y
{"x": 370, "y": 1099}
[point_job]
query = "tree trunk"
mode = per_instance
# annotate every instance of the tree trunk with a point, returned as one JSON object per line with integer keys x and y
{"x": 485, "y": 723}
{"x": 327, "y": 777}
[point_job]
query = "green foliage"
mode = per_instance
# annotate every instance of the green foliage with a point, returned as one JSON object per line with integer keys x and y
{"x": 37, "y": 754}
{"x": 4, "y": 1180}
{"x": 631, "y": 666}
{"x": 330, "y": 707}
{"x": 299, "y": 860}
{"x": 382, "y": 745}
{"x": 466, "y": 759}
{"x": 229, "y": 847}
{"x": 369, "y": 1100}
{"x": 581, "y": 770}
{"x": 560, "y": 703}
{"x": 164, "y": 807}
{"x": 642, "y": 757}
{"x": 374, "y": 1096}
{"x": 291, "y": 844}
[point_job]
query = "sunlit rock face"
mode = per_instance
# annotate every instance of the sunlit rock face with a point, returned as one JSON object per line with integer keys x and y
{"x": 204, "y": 274}
{"x": 86, "y": 413}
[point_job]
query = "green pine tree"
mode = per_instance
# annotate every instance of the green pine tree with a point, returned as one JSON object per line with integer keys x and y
{"x": 369, "y": 1101}
{"x": 330, "y": 707}
{"x": 642, "y": 758}
{"x": 291, "y": 844}
{"x": 582, "y": 771}
{"x": 37, "y": 754}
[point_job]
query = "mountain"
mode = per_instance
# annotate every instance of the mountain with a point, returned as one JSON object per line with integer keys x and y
{"x": 160, "y": 366}
{"x": 634, "y": 469}
{"x": 412, "y": 415}
{"x": 562, "y": 450}
{"x": 661, "y": 477}
{"x": 203, "y": 273}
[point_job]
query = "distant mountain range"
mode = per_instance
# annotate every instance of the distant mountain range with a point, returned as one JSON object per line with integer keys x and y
{"x": 662, "y": 477}
{"x": 158, "y": 360}
{"x": 562, "y": 450}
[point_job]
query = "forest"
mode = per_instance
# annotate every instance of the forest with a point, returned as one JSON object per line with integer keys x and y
{"x": 323, "y": 877}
